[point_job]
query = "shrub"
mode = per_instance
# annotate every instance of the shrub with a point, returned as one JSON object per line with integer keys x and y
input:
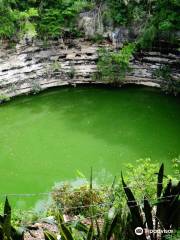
{"x": 72, "y": 71}
{"x": 168, "y": 84}
{"x": 97, "y": 38}
{"x": 4, "y": 98}
{"x": 7, "y": 21}
{"x": 126, "y": 11}
{"x": 174, "y": 236}
{"x": 113, "y": 66}
{"x": 162, "y": 21}
{"x": 77, "y": 201}
{"x": 16, "y": 21}
{"x": 139, "y": 176}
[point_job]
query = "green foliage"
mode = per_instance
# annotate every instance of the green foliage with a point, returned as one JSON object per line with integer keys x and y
{"x": 176, "y": 167}
{"x": 167, "y": 15}
{"x": 143, "y": 172}
{"x": 168, "y": 84}
{"x": 66, "y": 232}
{"x": 163, "y": 72}
{"x": 7, "y": 21}
{"x": 72, "y": 199}
{"x": 162, "y": 21}
{"x": 113, "y": 226}
{"x": 71, "y": 73}
{"x": 114, "y": 221}
{"x": 50, "y": 19}
{"x": 22, "y": 217}
{"x": 4, "y": 98}
{"x": 56, "y": 66}
{"x": 58, "y": 17}
{"x": 124, "y": 12}
{"x": 113, "y": 66}
{"x": 148, "y": 36}
{"x": 7, "y": 232}
{"x": 174, "y": 236}
{"x": 35, "y": 87}
{"x": 15, "y": 22}
{"x": 49, "y": 236}
{"x": 167, "y": 215}
{"x": 158, "y": 19}
{"x": 139, "y": 176}
{"x": 27, "y": 21}
{"x": 97, "y": 38}
{"x": 117, "y": 223}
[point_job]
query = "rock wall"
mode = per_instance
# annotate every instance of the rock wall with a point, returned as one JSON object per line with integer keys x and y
{"x": 32, "y": 68}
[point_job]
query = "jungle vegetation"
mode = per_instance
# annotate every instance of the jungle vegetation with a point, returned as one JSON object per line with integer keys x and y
{"x": 158, "y": 20}
{"x": 54, "y": 18}
{"x": 129, "y": 207}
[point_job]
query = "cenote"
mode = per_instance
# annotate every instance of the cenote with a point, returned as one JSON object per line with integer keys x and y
{"x": 49, "y": 137}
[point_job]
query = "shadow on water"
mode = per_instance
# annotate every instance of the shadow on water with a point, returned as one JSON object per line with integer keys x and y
{"x": 141, "y": 118}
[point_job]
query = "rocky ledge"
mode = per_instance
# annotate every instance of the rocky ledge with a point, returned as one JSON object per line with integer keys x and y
{"x": 38, "y": 66}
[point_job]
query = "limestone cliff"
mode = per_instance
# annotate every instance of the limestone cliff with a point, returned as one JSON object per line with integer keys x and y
{"x": 34, "y": 67}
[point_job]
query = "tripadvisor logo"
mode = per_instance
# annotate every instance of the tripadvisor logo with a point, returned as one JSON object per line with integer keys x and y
{"x": 139, "y": 231}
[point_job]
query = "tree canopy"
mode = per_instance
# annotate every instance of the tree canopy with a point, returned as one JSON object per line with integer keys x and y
{"x": 50, "y": 19}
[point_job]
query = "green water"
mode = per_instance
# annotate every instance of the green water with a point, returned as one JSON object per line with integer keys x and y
{"x": 48, "y": 137}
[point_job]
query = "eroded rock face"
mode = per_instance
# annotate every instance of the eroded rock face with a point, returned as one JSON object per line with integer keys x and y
{"x": 91, "y": 23}
{"x": 32, "y": 68}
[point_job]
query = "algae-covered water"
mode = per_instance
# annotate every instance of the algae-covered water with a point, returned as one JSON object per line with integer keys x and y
{"x": 52, "y": 136}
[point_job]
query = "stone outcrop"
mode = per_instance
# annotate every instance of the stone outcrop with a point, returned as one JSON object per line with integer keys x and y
{"x": 32, "y": 68}
{"x": 93, "y": 24}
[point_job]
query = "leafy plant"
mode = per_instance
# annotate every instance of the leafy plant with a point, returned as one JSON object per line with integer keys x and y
{"x": 7, "y": 231}
{"x": 116, "y": 223}
{"x": 4, "y": 98}
{"x": 139, "y": 175}
{"x": 168, "y": 84}
{"x": 113, "y": 66}
{"x": 27, "y": 21}
{"x": 161, "y": 23}
{"x": 174, "y": 236}
{"x": 58, "y": 17}
{"x": 35, "y": 87}
{"x": 125, "y": 11}
{"x": 7, "y": 21}
{"x": 176, "y": 167}
{"x": 83, "y": 200}
{"x": 56, "y": 66}
{"x": 97, "y": 38}
{"x": 113, "y": 224}
{"x": 72, "y": 199}
{"x": 167, "y": 213}
{"x": 48, "y": 19}
{"x": 71, "y": 73}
